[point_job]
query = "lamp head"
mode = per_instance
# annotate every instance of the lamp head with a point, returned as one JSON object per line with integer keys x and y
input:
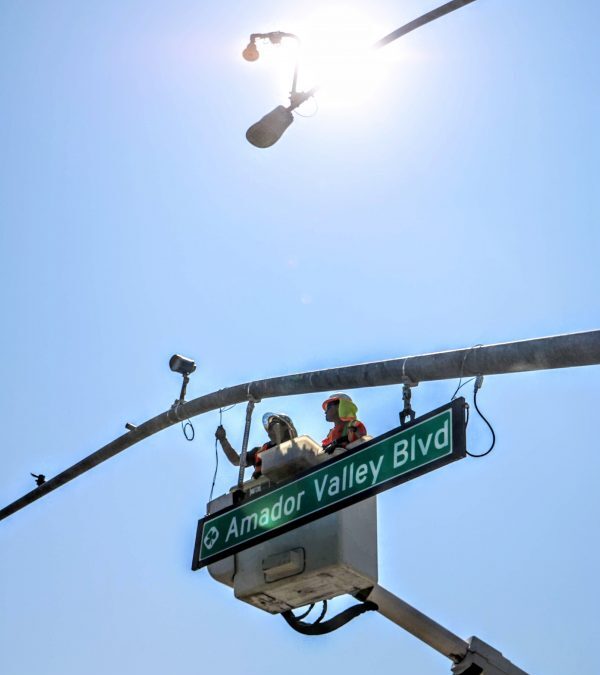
{"x": 251, "y": 52}
{"x": 269, "y": 129}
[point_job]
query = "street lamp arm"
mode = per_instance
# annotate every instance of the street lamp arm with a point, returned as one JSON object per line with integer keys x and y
{"x": 301, "y": 97}
{"x": 418, "y": 624}
{"x": 421, "y": 21}
{"x": 474, "y": 656}
{"x": 558, "y": 351}
{"x": 269, "y": 129}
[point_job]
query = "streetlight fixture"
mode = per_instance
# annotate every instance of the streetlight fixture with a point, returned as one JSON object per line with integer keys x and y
{"x": 251, "y": 52}
{"x": 269, "y": 129}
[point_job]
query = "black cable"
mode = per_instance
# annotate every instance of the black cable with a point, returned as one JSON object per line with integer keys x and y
{"x": 462, "y": 368}
{"x": 305, "y": 614}
{"x": 460, "y": 386}
{"x": 323, "y": 612}
{"x": 479, "y": 379}
{"x": 214, "y": 480}
{"x": 185, "y": 426}
{"x": 329, "y": 626}
{"x": 212, "y": 487}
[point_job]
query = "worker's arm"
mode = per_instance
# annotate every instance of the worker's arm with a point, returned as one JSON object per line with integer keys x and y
{"x": 228, "y": 449}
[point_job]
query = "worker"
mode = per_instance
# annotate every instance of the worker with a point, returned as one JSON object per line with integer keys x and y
{"x": 341, "y": 410}
{"x": 279, "y": 428}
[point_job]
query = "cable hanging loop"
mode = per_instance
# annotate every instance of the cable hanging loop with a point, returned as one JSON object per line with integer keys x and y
{"x": 476, "y": 388}
{"x": 186, "y": 425}
{"x": 188, "y": 430}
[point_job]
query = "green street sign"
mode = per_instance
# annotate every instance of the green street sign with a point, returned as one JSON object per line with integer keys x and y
{"x": 427, "y": 443}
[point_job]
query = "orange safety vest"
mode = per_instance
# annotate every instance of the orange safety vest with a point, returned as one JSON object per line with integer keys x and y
{"x": 349, "y": 431}
{"x": 257, "y": 461}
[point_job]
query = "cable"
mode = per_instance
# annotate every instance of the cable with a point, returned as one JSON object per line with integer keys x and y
{"x": 318, "y": 628}
{"x": 192, "y": 434}
{"x": 315, "y": 111}
{"x": 212, "y": 487}
{"x": 308, "y": 611}
{"x": 323, "y": 612}
{"x": 462, "y": 368}
{"x": 478, "y": 383}
{"x": 460, "y": 386}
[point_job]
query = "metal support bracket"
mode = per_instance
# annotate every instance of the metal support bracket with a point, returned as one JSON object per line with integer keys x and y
{"x": 407, "y": 412}
{"x": 482, "y": 659}
{"x": 252, "y": 401}
{"x": 407, "y": 382}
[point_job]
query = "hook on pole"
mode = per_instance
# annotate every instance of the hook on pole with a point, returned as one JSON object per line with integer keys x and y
{"x": 407, "y": 413}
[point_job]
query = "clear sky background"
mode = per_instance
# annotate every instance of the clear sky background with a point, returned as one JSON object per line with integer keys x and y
{"x": 450, "y": 199}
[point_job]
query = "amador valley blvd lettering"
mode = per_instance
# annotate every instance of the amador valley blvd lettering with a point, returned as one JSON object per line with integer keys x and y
{"x": 427, "y": 443}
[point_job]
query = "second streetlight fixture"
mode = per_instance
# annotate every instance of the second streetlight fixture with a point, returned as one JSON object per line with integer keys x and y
{"x": 269, "y": 129}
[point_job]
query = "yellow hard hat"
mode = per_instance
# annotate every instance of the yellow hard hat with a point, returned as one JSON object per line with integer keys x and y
{"x": 347, "y": 410}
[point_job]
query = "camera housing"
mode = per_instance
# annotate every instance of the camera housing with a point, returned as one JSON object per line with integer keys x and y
{"x": 182, "y": 365}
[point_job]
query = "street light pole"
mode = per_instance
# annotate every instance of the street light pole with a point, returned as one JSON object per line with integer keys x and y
{"x": 558, "y": 351}
{"x": 269, "y": 129}
{"x": 472, "y": 657}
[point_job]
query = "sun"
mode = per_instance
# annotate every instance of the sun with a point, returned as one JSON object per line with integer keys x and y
{"x": 336, "y": 54}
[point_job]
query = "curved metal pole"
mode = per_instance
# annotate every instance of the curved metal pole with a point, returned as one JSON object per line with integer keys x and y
{"x": 559, "y": 351}
{"x": 299, "y": 98}
{"x": 421, "y": 21}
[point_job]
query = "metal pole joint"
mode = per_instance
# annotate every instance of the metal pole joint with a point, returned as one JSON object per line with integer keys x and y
{"x": 482, "y": 659}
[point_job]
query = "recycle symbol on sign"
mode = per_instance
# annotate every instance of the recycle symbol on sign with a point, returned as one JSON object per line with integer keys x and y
{"x": 211, "y": 538}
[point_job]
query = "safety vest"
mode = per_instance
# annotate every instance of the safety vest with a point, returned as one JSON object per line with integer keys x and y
{"x": 344, "y": 433}
{"x": 257, "y": 461}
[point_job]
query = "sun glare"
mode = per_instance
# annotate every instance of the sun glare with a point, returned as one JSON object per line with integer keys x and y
{"x": 336, "y": 55}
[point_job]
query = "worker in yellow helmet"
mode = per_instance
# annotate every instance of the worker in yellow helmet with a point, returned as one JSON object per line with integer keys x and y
{"x": 341, "y": 410}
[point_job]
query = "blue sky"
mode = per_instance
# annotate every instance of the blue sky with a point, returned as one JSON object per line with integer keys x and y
{"x": 455, "y": 204}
